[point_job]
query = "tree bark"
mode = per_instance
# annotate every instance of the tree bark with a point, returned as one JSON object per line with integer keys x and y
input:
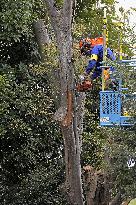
{"x": 67, "y": 113}
{"x": 42, "y": 36}
{"x": 116, "y": 200}
{"x": 95, "y": 187}
{"x": 90, "y": 184}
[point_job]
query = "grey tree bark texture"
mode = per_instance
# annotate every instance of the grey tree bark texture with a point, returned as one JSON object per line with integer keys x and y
{"x": 70, "y": 120}
{"x": 42, "y": 36}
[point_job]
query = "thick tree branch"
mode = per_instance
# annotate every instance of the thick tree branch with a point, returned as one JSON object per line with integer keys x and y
{"x": 42, "y": 36}
{"x": 51, "y": 6}
{"x": 54, "y": 15}
{"x": 67, "y": 11}
{"x": 116, "y": 199}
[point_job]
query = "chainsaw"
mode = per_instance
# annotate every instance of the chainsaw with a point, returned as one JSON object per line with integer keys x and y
{"x": 84, "y": 84}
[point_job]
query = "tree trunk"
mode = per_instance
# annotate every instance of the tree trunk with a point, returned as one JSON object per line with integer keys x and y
{"x": 42, "y": 36}
{"x": 90, "y": 184}
{"x": 73, "y": 169}
{"x": 67, "y": 113}
{"x": 97, "y": 192}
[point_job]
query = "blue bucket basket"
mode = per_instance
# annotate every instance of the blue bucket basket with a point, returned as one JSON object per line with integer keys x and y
{"x": 111, "y": 110}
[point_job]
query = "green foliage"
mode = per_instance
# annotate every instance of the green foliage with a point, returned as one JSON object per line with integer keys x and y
{"x": 122, "y": 154}
{"x": 89, "y": 20}
{"x": 116, "y": 144}
{"x": 91, "y": 14}
{"x": 16, "y": 18}
{"x": 17, "y": 43}
{"x": 25, "y": 51}
{"x": 13, "y": 24}
{"x": 31, "y": 143}
{"x": 59, "y": 3}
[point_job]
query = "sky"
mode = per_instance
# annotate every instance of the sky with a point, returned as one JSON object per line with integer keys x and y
{"x": 127, "y": 4}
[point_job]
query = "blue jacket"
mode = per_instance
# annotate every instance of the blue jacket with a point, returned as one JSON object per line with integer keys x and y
{"x": 97, "y": 57}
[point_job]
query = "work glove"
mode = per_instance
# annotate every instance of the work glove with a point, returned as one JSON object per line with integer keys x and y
{"x": 83, "y": 77}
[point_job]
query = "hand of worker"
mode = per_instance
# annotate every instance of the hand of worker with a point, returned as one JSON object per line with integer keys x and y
{"x": 84, "y": 76}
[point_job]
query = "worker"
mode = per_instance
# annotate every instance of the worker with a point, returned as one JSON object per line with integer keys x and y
{"x": 94, "y": 49}
{"x": 96, "y": 54}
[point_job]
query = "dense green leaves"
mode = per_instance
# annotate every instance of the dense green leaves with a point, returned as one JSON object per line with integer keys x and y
{"x": 17, "y": 43}
{"x": 31, "y": 143}
{"x": 13, "y": 24}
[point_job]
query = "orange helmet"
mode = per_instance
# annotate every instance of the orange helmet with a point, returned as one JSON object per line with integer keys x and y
{"x": 92, "y": 41}
{"x": 97, "y": 41}
{"x": 85, "y": 41}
